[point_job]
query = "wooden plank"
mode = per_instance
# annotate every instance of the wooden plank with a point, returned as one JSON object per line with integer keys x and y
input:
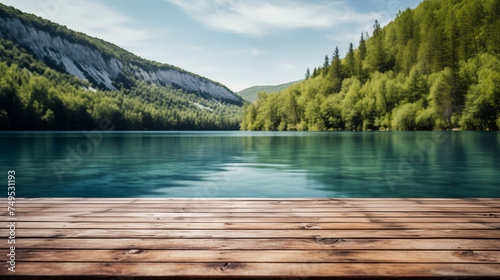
{"x": 249, "y": 204}
{"x": 194, "y": 208}
{"x": 310, "y": 233}
{"x": 118, "y": 211}
{"x": 239, "y": 225}
{"x": 264, "y": 219}
{"x": 258, "y": 244}
{"x": 258, "y": 256}
{"x": 257, "y": 237}
{"x": 253, "y": 269}
{"x": 256, "y": 207}
{"x": 109, "y": 212}
{"x": 349, "y": 215}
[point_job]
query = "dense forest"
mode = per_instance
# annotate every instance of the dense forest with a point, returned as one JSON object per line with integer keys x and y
{"x": 434, "y": 67}
{"x": 37, "y": 93}
{"x": 35, "y": 97}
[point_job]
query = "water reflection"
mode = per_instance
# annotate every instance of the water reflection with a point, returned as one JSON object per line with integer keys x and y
{"x": 241, "y": 164}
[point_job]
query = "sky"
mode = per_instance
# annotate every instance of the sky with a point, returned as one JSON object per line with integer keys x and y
{"x": 239, "y": 43}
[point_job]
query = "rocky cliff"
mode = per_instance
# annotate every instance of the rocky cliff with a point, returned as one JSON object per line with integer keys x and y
{"x": 104, "y": 64}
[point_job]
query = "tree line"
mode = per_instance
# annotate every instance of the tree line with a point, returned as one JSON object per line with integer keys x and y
{"x": 434, "y": 67}
{"x": 36, "y": 97}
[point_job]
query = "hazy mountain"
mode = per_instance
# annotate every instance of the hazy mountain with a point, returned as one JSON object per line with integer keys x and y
{"x": 250, "y": 94}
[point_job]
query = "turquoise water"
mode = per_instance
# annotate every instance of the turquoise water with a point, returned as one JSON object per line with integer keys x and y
{"x": 253, "y": 164}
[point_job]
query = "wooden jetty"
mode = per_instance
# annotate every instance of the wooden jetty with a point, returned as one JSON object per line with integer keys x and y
{"x": 172, "y": 238}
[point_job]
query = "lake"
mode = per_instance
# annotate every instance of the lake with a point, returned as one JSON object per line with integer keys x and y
{"x": 253, "y": 164}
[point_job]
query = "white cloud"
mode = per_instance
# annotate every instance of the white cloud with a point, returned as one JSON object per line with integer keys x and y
{"x": 261, "y": 17}
{"x": 87, "y": 16}
{"x": 252, "y": 52}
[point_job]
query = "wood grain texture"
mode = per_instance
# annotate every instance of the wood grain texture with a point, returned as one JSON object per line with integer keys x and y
{"x": 255, "y": 225}
{"x": 258, "y": 244}
{"x": 233, "y": 237}
{"x": 366, "y": 218}
{"x": 258, "y": 269}
{"x": 260, "y": 256}
{"x": 248, "y": 233}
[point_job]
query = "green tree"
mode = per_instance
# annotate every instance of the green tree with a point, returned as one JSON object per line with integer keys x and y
{"x": 315, "y": 73}
{"x": 360, "y": 58}
{"x": 336, "y": 71}
{"x": 404, "y": 117}
{"x": 326, "y": 64}
{"x": 488, "y": 34}
{"x": 482, "y": 108}
{"x": 376, "y": 54}
{"x": 350, "y": 62}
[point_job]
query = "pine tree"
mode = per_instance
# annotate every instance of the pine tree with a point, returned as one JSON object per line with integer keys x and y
{"x": 451, "y": 59}
{"x": 376, "y": 54}
{"x": 406, "y": 44}
{"x": 308, "y": 74}
{"x": 336, "y": 63}
{"x": 350, "y": 62}
{"x": 360, "y": 58}
{"x": 315, "y": 73}
{"x": 335, "y": 72}
{"x": 489, "y": 32}
{"x": 326, "y": 64}
{"x": 362, "y": 47}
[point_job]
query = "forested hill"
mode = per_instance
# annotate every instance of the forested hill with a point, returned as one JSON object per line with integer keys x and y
{"x": 52, "y": 78}
{"x": 434, "y": 67}
{"x": 250, "y": 94}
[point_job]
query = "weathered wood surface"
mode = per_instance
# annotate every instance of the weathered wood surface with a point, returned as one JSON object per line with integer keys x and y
{"x": 230, "y": 238}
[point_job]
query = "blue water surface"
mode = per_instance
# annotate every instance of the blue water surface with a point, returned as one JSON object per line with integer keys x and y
{"x": 252, "y": 164}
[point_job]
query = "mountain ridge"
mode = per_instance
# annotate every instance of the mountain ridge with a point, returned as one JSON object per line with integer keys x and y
{"x": 250, "y": 94}
{"x": 102, "y": 63}
{"x": 53, "y": 78}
